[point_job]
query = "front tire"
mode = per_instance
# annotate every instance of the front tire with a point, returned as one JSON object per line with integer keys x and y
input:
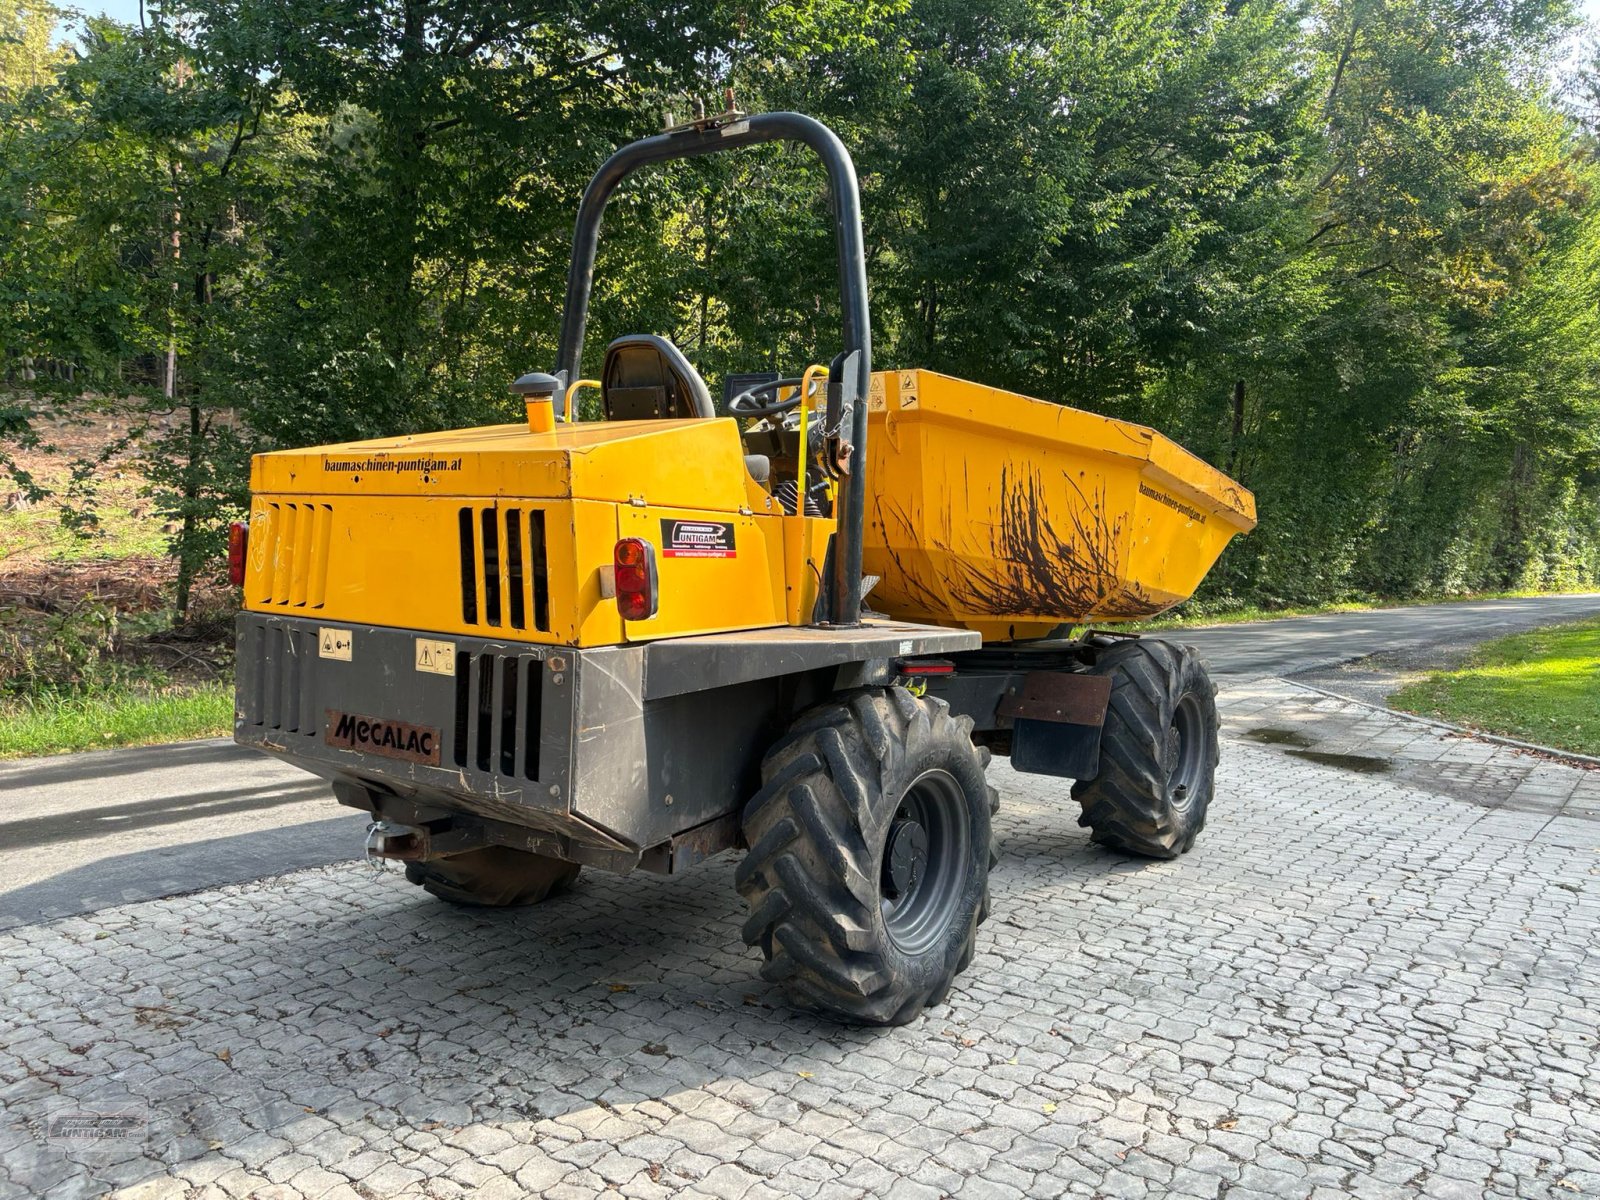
{"x": 493, "y": 877}
{"x": 869, "y": 856}
{"x": 1158, "y": 750}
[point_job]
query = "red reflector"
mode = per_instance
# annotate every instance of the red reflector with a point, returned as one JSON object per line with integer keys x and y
{"x": 238, "y": 548}
{"x": 635, "y": 562}
{"x": 930, "y": 666}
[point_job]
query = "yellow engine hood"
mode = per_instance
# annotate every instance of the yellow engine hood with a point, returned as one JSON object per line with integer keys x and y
{"x": 687, "y": 464}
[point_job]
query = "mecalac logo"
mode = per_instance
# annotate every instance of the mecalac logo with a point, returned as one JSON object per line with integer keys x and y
{"x": 394, "y": 739}
{"x": 697, "y": 539}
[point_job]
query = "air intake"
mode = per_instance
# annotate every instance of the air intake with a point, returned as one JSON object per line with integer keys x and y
{"x": 284, "y": 696}
{"x": 498, "y": 710}
{"x": 295, "y": 554}
{"x": 505, "y": 581}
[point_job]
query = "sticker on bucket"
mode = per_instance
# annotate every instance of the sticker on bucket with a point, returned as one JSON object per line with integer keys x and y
{"x": 697, "y": 539}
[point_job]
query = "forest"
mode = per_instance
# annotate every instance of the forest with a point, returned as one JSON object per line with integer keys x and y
{"x": 1348, "y": 250}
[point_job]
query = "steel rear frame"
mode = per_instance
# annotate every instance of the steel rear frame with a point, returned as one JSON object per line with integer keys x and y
{"x": 621, "y": 757}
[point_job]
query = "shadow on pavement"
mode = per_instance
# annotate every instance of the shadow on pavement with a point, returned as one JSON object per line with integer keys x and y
{"x": 115, "y": 820}
{"x": 107, "y": 764}
{"x": 173, "y": 870}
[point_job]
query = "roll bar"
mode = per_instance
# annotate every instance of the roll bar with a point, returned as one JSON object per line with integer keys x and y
{"x": 847, "y": 403}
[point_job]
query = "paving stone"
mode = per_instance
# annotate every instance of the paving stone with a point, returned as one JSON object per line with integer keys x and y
{"x": 1355, "y": 985}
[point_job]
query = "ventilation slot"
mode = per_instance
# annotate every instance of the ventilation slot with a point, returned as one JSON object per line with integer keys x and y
{"x": 503, "y": 561}
{"x": 491, "y": 566}
{"x": 469, "y": 572}
{"x": 285, "y": 696}
{"x": 497, "y": 714}
{"x": 295, "y": 574}
{"x": 538, "y": 574}
{"x": 515, "y": 600}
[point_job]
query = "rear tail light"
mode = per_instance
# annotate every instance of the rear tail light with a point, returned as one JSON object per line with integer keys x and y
{"x": 238, "y": 548}
{"x": 637, "y": 588}
{"x": 926, "y": 666}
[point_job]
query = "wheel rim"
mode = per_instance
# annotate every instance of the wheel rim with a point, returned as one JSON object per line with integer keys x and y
{"x": 1185, "y": 752}
{"x": 925, "y": 862}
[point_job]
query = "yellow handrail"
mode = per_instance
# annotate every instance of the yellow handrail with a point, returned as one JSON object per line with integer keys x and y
{"x": 567, "y": 415}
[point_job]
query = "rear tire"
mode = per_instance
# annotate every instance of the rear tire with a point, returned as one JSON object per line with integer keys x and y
{"x": 870, "y": 845}
{"x": 493, "y": 877}
{"x": 1158, "y": 750}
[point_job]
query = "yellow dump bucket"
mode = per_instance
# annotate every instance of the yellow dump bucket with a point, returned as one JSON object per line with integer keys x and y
{"x": 1010, "y": 516}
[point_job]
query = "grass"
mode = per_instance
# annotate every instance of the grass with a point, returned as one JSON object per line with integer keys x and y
{"x": 128, "y": 717}
{"x": 1542, "y": 687}
{"x": 38, "y": 535}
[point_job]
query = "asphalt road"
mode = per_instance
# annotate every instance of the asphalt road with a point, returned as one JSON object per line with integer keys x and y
{"x": 85, "y": 831}
{"x": 1297, "y": 644}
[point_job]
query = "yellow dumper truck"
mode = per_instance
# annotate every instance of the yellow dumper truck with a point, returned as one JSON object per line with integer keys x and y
{"x": 799, "y": 629}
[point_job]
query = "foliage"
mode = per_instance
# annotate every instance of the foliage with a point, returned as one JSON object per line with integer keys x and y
{"x": 67, "y": 652}
{"x": 1345, "y": 249}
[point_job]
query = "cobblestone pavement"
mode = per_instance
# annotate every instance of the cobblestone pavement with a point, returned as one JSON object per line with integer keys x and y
{"x": 1368, "y": 982}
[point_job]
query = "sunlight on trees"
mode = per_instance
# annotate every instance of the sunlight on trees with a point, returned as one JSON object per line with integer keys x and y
{"x": 1348, "y": 251}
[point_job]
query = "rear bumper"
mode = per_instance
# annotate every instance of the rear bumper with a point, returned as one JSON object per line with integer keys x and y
{"x": 617, "y": 749}
{"x": 488, "y": 731}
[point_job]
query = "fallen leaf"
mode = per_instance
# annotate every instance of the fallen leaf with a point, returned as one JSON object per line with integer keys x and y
{"x": 969, "y": 1041}
{"x": 225, "y": 1055}
{"x": 1230, "y": 1123}
{"x": 804, "y": 1074}
{"x": 655, "y": 1172}
{"x": 621, "y": 987}
{"x": 1568, "y": 1185}
{"x": 655, "y": 1048}
{"x": 1049, "y": 1106}
{"x": 1011, "y": 1062}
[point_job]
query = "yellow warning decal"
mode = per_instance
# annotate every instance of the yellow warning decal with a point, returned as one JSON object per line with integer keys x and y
{"x": 436, "y": 656}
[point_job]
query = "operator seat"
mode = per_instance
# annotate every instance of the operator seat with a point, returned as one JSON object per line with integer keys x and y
{"x": 647, "y": 378}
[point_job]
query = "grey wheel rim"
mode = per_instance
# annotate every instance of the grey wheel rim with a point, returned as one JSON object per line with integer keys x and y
{"x": 1185, "y": 752}
{"x": 926, "y": 856}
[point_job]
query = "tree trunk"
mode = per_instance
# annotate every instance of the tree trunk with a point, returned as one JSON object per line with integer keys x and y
{"x": 1238, "y": 427}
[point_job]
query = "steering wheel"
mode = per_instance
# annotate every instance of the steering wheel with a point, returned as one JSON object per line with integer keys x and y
{"x": 746, "y": 405}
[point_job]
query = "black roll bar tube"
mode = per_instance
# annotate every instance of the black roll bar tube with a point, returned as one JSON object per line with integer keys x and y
{"x": 844, "y": 584}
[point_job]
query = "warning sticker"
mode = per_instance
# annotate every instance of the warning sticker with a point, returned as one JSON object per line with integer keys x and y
{"x": 436, "y": 656}
{"x": 697, "y": 539}
{"x": 334, "y": 643}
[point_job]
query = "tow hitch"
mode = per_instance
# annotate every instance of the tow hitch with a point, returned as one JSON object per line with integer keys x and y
{"x": 418, "y": 843}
